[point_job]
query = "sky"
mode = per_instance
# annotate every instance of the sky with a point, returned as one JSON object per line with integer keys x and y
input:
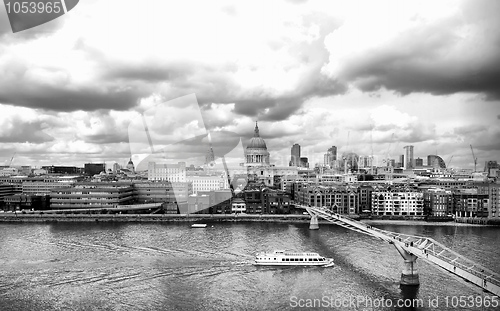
{"x": 369, "y": 77}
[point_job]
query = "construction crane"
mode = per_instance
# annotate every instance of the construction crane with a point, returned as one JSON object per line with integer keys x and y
{"x": 371, "y": 147}
{"x": 474, "y": 158}
{"x": 388, "y": 159}
{"x": 449, "y": 161}
{"x": 228, "y": 177}
{"x": 11, "y": 159}
{"x": 344, "y": 156}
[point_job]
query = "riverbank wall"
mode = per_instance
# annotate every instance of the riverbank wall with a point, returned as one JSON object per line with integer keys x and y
{"x": 214, "y": 218}
{"x": 189, "y": 218}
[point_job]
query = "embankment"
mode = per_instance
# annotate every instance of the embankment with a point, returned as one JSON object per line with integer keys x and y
{"x": 213, "y": 218}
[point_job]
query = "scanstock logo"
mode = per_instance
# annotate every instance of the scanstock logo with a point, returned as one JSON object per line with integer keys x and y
{"x": 174, "y": 131}
{"x": 28, "y": 14}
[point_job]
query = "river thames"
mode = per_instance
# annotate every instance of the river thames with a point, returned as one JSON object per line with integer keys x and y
{"x": 148, "y": 266}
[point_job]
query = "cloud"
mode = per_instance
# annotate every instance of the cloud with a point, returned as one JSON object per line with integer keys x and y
{"x": 17, "y": 130}
{"x": 61, "y": 98}
{"x": 23, "y": 125}
{"x": 481, "y": 137}
{"x": 390, "y": 124}
{"x": 102, "y": 127}
{"x": 152, "y": 70}
{"x": 264, "y": 74}
{"x": 313, "y": 73}
{"x": 423, "y": 51}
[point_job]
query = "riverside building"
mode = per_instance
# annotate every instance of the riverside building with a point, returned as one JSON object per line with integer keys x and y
{"x": 338, "y": 198}
{"x": 207, "y": 182}
{"x": 162, "y": 192}
{"x": 469, "y": 203}
{"x": 45, "y": 185}
{"x": 438, "y": 202}
{"x": 397, "y": 203}
{"x": 92, "y": 195}
{"x": 167, "y": 172}
{"x": 493, "y": 192}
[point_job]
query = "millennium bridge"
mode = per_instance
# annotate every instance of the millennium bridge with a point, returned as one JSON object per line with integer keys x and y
{"x": 411, "y": 247}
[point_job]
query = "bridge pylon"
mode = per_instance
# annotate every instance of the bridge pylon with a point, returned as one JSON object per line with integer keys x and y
{"x": 409, "y": 275}
{"x": 313, "y": 225}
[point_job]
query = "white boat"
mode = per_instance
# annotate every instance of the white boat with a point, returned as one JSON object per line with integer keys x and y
{"x": 284, "y": 258}
{"x": 198, "y": 225}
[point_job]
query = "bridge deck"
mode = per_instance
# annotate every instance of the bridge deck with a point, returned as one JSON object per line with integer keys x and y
{"x": 422, "y": 247}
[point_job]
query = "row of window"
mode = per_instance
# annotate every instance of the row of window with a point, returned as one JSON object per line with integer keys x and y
{"x": 302, "y": 259}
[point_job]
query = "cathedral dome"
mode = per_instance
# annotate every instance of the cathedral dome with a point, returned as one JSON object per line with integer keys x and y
{"x": 256, "y": 152}
{"x": 130, "y": 165}
{"x": 257, "y": 141}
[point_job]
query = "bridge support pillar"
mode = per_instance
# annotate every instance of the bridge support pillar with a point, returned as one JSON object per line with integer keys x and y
{"x": 409, "y": 275}
{"x": 313, "y": 225}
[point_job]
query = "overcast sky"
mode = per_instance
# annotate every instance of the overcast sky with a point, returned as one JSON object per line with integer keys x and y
{"x": 365, "y": 76}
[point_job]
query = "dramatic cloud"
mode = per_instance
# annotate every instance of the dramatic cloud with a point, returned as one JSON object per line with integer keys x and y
{"x": 367, "y": 76}
{"x": 23, "y": 125}
{"x": 262, "y": 73}
{"x": 415, "y": 50}
{"x": 64, "y": 99}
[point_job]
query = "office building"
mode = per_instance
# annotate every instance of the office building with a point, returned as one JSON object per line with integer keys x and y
{"x": 161, "y": 191}
{"x": 435, "y": 161}
{"x": 492, "y": 190}
{"x": 409, "y": 164}
{"x": 470, "y": 203}
{"x": 45, "y": 185}
{"x": 438, "y": 202}
{"x": 401, "y": 161}
{"x": 69, "y": 170}
{"x": 304, "y": 162}
{"x": 92, "y": 169}
{"x": 19, "y": 202}
{"x": 365, "y": 161}
{"x": 209, "y": 156}
{"x": 208, "y": 182}
{"x": 491, "y": 168}
{"x": 330, "y": 157}
{"x": 92, "y": 195}
{"x": 397, "y": 202}
{"x": 419, "y": 162}
{"x": 275, "y": 202}
{"x": 8, "y": 190}
{"x": 167, "y": 172}
{"x": 340, "y": 199}
{"x": 295, "y": 155}
{"x": 238, "y": 206}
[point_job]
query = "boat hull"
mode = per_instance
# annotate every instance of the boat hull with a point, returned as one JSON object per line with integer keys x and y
{"x": 303, "y": 264}
{"x": 199, "y": 226}
{"x": 284, "y": 258}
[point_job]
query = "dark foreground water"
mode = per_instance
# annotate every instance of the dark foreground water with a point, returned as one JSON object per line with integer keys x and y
{"x": 96, "y": 266}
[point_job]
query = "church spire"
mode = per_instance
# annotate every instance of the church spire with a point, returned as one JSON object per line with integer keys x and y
{"x": 256, "y": 130}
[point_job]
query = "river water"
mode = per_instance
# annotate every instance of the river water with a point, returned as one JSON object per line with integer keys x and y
{"x": 134, "y": 266}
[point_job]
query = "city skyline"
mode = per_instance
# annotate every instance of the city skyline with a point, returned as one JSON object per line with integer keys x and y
{"x": 366, "y": 77}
